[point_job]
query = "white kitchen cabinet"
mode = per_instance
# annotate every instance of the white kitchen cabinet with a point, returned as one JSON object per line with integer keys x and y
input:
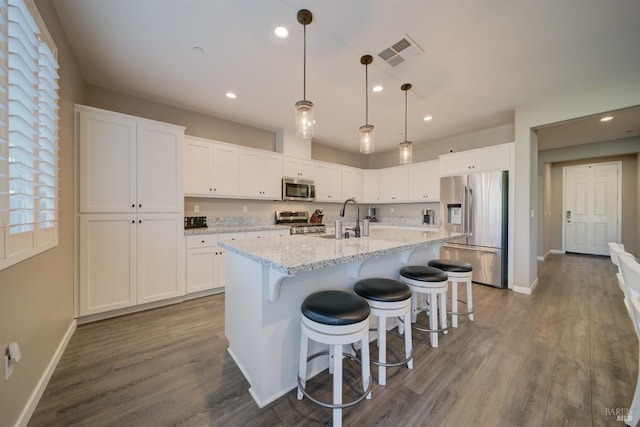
{"x": 394, "y": 184}
{"x": 424, "y": 181}
{"x": 260, "y": 175}
{"x": 210, "y": 168}
{"x": 128, "y": 164}
{"x": 205, "y": 263}
{"x": 352, "y": 184}
{"x": 328, "y": 182}
{"x": 371, "y": 178}
{"x": 495, "y": 157}
{"x": 298, "y": 168}
{"x": 129, "y": 259}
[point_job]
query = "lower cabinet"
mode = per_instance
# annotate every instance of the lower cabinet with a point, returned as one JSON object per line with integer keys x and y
{"x": 129, "y": 259}
{"x": 205, "y": 263}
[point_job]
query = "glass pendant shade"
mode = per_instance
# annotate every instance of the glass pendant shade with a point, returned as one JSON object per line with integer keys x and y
{"x": 304, "y": 119}
{"x": 406, "y": 153}
{"x": 367, "y": 139}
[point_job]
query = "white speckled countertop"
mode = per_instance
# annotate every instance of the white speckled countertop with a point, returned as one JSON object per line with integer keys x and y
{"x": 296, "y": 254}
{"x": 233, "y": 229}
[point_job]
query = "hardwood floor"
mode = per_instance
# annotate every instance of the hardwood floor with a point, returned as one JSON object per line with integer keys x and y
{"x": 566, "y": 355}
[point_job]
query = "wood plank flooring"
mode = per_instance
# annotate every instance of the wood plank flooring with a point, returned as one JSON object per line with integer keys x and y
{"x": 565, "y": 356}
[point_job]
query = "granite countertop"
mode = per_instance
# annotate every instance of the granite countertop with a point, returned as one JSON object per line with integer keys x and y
{"x": 233, "y": 229}
{"x": 297, "y": 254}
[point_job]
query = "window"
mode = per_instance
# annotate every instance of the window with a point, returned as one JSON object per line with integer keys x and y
{"x": 28, "y": 134}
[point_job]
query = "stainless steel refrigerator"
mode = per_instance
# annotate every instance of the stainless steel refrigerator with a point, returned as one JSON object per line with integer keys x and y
{"x": 477, "y": 204}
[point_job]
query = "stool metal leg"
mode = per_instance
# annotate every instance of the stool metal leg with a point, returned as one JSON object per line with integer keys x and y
{"x": 470, "y": 300}
{"x": 454, "y": 304}
{"x": 408, "y": 347}
{"x": 382, "y": 350}
{"x": 337, "y": 384}
{"x": 302, "y": 364}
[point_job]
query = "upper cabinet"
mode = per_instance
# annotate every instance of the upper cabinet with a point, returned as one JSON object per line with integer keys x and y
{"x": 495, "y": 157}
{"x": 298, "y": 168}
{"x": 260, "y": 175}
{"x": 352, "y": 184}
{"x": 328, "y": 182}
{"x": 371, "y": 184}
{"x": 394, "y": 184}
{"x": 210, "y": 168}
{"x": 128, "y": 164}
{"x": 424, "y": 181}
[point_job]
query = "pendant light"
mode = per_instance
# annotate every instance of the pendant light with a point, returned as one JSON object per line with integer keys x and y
{"x": 304, "y": 108}
{"x": 406, "y": 151}
{"x": 367, "y": 133}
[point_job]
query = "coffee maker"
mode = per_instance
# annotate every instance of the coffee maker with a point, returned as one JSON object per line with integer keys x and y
{"x": 428, "y": 217}
{"x": 372, "y": 214}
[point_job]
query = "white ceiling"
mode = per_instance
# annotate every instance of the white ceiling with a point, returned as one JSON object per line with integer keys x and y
{"x": 481, "y": 60}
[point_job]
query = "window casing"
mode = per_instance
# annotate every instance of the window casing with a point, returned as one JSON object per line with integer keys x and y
{"x": 28, "y": 134}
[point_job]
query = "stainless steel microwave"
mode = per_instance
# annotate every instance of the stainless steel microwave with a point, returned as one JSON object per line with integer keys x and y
{"x": 298, "y": 189}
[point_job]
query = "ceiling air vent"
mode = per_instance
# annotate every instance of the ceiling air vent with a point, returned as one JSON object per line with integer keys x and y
{"x": 401, "y": 51}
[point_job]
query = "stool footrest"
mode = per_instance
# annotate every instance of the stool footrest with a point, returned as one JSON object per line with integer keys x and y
{"x": 458, "y": 313}
{"x": 334, "y": 405}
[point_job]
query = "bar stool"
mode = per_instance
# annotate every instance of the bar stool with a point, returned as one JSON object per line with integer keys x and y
{"x": 388, "y": 298}
{"x": 458, "y": 272}
{"x": 432, "y": 282}
{"x": 335, "y": 318}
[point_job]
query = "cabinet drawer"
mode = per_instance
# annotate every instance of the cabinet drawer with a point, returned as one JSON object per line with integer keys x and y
{"x": 202, "y": 241}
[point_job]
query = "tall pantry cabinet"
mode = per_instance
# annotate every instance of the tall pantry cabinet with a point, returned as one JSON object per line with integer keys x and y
{"x": 130, "y": 205}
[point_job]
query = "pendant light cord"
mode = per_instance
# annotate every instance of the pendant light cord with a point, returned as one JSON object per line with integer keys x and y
{"x": 405, "y": 116}
{"x": 304, "y": 64}
{"x": 366, "y": 93}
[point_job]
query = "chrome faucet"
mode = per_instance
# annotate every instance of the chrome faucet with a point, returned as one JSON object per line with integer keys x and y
{"x": 355, "y": 229}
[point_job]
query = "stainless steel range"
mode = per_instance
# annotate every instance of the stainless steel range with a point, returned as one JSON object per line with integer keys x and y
{"x": 299, "y": 222}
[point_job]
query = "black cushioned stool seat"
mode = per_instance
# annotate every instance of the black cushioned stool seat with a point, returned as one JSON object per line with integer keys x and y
{"x": 335, "y": 308}
{"x": 381, "y": 289}
{"x": 459, "y": 272}
{"x": 451, "y": 265}
{"x": 388, "y": 298}
{"x": 336, "y": 319}
{"x": 423, "y": 273}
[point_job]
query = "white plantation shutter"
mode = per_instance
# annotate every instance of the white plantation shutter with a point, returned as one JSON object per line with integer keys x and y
{"x": 29, "y": 150}
{"x": 4, "y": 130}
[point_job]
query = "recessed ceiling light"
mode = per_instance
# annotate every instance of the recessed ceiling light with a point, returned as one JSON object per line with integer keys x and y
{"x": 231, "y": 95}
{"x": 606, "y": 119}
{"x": 281, "y": 32}
{"x": 377, "y": 88}
{"x": 198, "y": 50}
{"x": 427, "y": 118}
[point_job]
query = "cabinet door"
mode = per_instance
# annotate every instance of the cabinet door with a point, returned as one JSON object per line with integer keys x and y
{"x": 159, "y": 168}
{"x": 107, "y": 150}
{"x": 424, "y": 181}
{"x": 394, "y": 184}
{"x": 352, "y": 184}
{"x": 456, "y": 164}
{"x": 328, "y": 183}
{"x": 296, "y": 168}
{"x": 160, "y": 257}
{"x": 224, "y": 170}
{"x": 371, "y": 179}
{"x": 272, "y": 177}
{"x": 493, "y": 158}
{"x": 203, "y": 267}
{"x": 197, "y": 169}
{"x": 107, "y": 262}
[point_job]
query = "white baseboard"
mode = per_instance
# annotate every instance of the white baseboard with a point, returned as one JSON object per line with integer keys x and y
{"x": 32, "y": 403}
{"x": 557, "y": 251}
{"x": 524, "y": 290}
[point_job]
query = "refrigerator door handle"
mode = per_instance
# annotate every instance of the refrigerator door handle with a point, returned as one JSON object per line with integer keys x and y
{"x": 465, "y": 211}
{"x": 470, "y": 215}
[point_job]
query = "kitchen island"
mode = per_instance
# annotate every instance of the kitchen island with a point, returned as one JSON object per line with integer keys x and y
{"x": 268, "y": 279}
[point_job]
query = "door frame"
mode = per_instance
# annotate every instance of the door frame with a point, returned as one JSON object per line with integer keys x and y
{"x": 618, "y": 163}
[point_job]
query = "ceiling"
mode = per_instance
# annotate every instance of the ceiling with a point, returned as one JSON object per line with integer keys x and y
{"x": 480, "y": 59}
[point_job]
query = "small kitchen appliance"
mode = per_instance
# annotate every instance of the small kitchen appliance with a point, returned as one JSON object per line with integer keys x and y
{"x": 372, "y": 214}
{"x": 428, "y": 216}
{"x": 298, "y": 189}
{"x": 299, "y": 222}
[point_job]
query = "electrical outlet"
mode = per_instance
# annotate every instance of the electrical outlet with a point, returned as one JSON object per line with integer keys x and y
{"x": 8, "y": 367}
{"x": 196, "y": 208}
{"x": 392, "y": 210}
{"x": 244, "y": 209}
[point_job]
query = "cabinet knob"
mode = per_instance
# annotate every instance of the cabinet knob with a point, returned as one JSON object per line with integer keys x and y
{"x": 210, "y": 189}
{"x": 133, "y": 205}
{"x": 133, "y": 221}
{"x": 201, "y": 241}
{"x": 139, "y": 221}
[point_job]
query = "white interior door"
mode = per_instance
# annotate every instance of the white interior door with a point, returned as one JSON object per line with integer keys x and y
{"x": 592, "y": 207}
